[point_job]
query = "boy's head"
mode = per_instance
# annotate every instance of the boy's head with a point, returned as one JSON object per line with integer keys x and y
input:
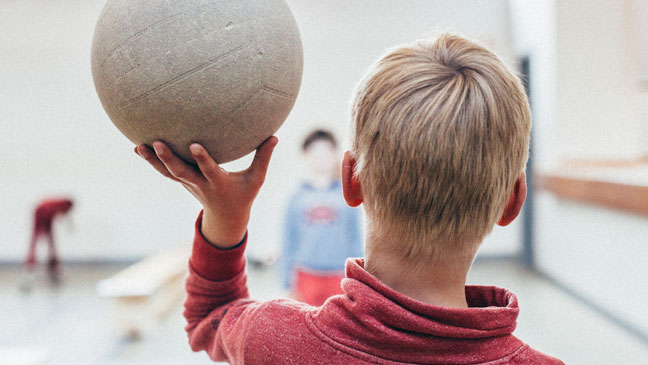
{"x": 320, "y": 151}
{"x": 440, "y": 136}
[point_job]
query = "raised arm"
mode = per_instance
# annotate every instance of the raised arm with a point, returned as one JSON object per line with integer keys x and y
{"x": 217, "y": 308}
{"x": 217, "y": 305}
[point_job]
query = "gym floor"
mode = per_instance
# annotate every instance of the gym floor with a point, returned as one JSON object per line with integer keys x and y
{"x": 71, "y": 324}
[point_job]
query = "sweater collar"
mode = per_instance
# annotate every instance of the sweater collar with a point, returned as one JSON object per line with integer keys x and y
{"x": 371, "y": 316}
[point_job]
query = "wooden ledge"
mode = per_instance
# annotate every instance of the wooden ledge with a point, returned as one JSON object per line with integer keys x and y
{"x": 618, "y": 186}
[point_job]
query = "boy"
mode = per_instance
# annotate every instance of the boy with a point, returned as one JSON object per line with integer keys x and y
{"x": 440, "y": 139}
{"x": 320, "y": 230}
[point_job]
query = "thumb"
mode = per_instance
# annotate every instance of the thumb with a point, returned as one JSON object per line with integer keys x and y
{"x": 259, "y": 167}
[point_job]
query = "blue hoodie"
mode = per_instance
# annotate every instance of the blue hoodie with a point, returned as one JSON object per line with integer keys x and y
{"x": 320, "y": 232}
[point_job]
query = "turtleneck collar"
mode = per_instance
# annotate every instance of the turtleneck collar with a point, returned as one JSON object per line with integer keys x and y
{"x": 371, "y": 316}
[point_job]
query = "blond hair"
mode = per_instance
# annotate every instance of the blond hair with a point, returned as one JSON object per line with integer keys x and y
{"x": 440, "y": 135}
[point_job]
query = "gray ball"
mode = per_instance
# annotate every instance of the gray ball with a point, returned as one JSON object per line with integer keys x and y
{"x": 221, "y": 73}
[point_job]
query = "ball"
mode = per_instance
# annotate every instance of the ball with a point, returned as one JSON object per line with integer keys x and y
{"x": 224, "y": 74}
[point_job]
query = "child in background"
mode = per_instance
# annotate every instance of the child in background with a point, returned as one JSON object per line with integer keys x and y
{"x": 321, "y": 231}
{"x": 44, "y": 215}
{"x": 440, "y": 141}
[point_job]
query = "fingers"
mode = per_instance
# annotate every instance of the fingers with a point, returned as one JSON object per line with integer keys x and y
{"x": 178, "y": 168}
{"x": 206, "y": 164}
{"x": 259, "y": 167}
{"x": 171, "y": 166}
{"x": 147, "y": 153}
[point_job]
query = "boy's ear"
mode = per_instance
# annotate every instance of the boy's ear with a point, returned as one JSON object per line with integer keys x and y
{"x": 350, "y": 184}
{"x": 516, "y": 201}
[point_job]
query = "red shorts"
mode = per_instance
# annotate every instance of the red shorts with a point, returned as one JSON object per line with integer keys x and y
{"x": 314, "y": 288}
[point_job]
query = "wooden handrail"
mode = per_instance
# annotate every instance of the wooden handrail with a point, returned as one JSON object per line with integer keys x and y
{"x": 625, "y": 197}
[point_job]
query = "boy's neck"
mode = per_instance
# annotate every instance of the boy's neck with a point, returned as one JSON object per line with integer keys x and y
{"x": 441, "y": 284}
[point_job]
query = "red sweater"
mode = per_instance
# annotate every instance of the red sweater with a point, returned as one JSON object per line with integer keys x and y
{"x": 46, "y": 211}
{"x": 369, "y": 323}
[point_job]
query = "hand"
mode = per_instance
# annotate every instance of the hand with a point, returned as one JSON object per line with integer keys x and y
{"x": 226, "y": 197}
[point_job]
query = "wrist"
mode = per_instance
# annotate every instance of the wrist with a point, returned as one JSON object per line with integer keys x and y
{"x": 213, "y": 263}
{"x": 223, "y": 230}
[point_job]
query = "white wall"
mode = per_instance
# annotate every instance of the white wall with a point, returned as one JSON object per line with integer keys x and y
{"x": 586, "y": 94}
{"x": 597, "y": 253}
{"x": 598, "y": 89}
{"x": 57, "y": 139}
{"x": 534, "y": 34}
{"x": 587, "y": 104}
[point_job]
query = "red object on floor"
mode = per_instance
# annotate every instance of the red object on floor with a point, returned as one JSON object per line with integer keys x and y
{"x": 314, "y": 288}
{"x": 44, "y": 215}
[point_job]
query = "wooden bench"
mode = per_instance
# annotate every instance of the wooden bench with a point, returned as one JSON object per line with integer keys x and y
{"x": 146, "y": 292}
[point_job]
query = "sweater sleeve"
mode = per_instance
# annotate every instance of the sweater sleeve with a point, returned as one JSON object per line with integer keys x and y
{"x": 217, "y": 308}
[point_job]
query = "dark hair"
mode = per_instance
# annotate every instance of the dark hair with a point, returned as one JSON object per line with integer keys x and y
{"x": 316, "y": 135}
